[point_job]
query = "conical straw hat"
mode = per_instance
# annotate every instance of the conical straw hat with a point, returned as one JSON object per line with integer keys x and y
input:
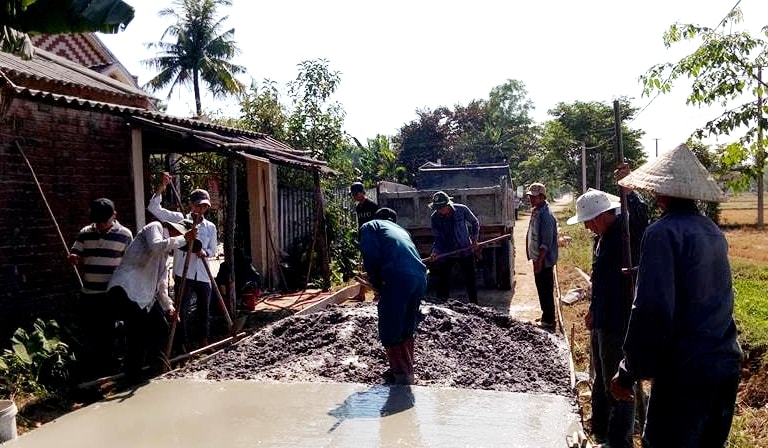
{"x": 677, "y": 173}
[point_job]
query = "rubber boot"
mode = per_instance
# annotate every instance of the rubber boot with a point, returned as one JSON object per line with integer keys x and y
{"x": 410, "y": 360}
{"x": 405, "y": 376}
{"x": 393, "y": 356}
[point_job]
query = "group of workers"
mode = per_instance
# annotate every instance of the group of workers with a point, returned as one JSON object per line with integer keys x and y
{"x": 675, "y": 327}
{"x": 125, "y": 280}
{"x": 668, "y": 317}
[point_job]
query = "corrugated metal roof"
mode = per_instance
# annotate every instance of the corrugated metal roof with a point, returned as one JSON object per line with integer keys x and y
{"x": 18, "y": 75}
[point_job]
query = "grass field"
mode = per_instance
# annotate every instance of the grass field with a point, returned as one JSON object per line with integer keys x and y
{"x": 740, "y": 209}
{"x": 748, "y": 248}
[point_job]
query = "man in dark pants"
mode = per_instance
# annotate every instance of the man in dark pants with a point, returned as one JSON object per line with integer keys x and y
{"x": 140, "y": 286}
{"x": 609, "y": 308}
{"x": 541, "y": 242}
{"x": 395, "y": 269}
{"x": 455, "y": 230}
{"x": 98, "y": 250}
{"x": 681, "y": 331}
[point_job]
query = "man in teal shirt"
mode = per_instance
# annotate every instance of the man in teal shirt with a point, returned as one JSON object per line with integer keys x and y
{"x": 395, "y": 269}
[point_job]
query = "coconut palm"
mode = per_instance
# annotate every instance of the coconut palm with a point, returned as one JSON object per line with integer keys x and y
{"x": 200, "y": 51}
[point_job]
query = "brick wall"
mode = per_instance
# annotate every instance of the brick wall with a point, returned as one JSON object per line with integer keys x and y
{"x": 77, "y": 155}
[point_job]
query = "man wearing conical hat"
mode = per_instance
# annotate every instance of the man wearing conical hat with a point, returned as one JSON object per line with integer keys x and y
{"x": 681, "y": 332}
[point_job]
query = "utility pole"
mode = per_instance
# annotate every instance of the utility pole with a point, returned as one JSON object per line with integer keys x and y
{"x": 657, "y": 146}
{"x": 583, "y": 167}
{"x": 598, "y": 169}
{"x": 760, "y": 159}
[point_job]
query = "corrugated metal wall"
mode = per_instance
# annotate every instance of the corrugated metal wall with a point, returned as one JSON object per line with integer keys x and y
{"x": 296, "y": 212}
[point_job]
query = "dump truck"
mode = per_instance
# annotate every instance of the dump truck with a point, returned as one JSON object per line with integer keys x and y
{"x": 486, "y": 189}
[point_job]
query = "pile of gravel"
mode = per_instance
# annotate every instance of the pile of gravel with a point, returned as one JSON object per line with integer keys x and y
{"x": 457, "y": 345}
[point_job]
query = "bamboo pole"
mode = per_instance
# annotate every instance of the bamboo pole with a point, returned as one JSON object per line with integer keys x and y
{"x": 48, "y": 207}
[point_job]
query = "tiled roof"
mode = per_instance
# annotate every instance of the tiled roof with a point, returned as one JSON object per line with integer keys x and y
{"x": 75, "y": 47}
{"x": 85, "y": 49}
{"x": 46, "y": 71}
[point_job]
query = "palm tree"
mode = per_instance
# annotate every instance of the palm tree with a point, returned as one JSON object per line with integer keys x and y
{"x": 200, "y": 51}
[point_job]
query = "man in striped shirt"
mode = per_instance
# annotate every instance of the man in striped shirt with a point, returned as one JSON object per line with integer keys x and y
{"x": 98, "y": 250}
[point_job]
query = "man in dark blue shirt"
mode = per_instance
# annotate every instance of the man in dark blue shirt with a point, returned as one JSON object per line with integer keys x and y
{"x": 456, "y": 230}
{"x": 681, "y": 331}
{"x": 612, "y": 420}
{"x": 395, "y": 269}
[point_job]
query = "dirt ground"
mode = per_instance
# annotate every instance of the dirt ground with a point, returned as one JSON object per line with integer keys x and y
{"x": 492, "y": 346}
{"x": 457, "y": 345}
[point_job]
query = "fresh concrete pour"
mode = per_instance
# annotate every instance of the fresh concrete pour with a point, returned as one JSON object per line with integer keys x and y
{"x": 190, "y": 413}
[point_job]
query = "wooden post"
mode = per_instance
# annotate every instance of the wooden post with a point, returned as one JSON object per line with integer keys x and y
{"x": 320, "y": 233}
{"x": 626, "y": 254}
{"x": 229, "y": 234}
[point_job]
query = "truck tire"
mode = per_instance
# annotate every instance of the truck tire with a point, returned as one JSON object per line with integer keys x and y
{"x": 504, "y": 266}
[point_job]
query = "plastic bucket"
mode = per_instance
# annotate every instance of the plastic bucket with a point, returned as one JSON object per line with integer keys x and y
{"x": 7, "y": 420}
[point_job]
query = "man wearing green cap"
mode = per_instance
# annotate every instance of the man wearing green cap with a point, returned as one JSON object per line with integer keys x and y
{"x": 456, "y": 230}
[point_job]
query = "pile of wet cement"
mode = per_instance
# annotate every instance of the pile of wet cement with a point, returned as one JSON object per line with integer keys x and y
{"x": 457, "y": 345}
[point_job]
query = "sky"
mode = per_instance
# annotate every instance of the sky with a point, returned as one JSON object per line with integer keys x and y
{"x": 399, "y": 56}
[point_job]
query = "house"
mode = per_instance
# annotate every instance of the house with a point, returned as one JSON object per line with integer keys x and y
{"x": 69, "y": 134}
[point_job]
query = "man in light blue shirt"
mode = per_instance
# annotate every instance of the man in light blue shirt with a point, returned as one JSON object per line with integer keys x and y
{"x": 542, "y": 251}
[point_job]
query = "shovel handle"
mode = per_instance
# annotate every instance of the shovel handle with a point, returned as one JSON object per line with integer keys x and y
{"x": 222, "y": 304}
{"x": 454, "y": 252}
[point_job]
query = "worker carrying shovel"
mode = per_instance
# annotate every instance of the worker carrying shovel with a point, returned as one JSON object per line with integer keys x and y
{"x": 395, "y": 269}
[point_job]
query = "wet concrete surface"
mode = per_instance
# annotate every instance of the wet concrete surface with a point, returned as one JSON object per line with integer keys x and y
{"x": 190, "y": 414}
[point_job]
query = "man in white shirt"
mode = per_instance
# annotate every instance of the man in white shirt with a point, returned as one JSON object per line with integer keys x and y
{"x": 198, "y": 282}
{"x": 140, "y": 288}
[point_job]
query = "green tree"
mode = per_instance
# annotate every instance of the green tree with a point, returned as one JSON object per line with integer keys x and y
{"x": 19, "y": 17}
{"x": 377, "y": 161}
{"x": 426, "y": 139}
{"x": 199, "y": 50}
{"x": 511, "y": 131}
{"x": 726, "y": 70}
{"x": 262, "y": 111}
{"x": 591, "y": 125}
{"x": 315, "y": 122}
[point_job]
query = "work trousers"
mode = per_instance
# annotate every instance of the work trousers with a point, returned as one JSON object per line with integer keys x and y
{"x": 197, "y": 325}
{"x": 398, "y": 308}
{"x": 444, "y": 270}
{"x": 146, "y": 335}
{"x": 545, "y": 284}
{"x": 690, "y": 414}
{"x": 613, "y": 421}
{"x": 97, "y": 316}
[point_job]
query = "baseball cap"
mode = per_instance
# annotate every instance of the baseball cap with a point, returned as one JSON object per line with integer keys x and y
{"x": 200, "y": 196}
{"x": 356, "y": 187}
{"x": 536, "y": 189}
{"x": 101, "y": 210}
{"x": 385, "y": 213}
